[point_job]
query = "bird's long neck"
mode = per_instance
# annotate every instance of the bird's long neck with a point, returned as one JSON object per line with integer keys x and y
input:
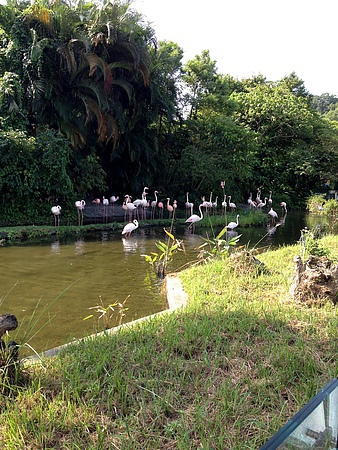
{"x": 200, "y": 208}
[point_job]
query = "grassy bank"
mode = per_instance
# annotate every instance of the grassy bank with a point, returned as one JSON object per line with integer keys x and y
{"x": 225, "y": 372}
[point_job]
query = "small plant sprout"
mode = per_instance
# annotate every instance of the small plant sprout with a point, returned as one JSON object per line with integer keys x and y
{"x": 160, "y": 260}
{"x": 107, "y": 312}
{"x": 217, "y": 246}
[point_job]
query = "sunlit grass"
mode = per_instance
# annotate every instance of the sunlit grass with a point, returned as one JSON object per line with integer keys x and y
{"x": 225, "y": 372}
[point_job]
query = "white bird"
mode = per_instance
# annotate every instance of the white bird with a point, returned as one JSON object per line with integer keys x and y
{"x": 170, "y": 208}
{"x": 153, "y": 205}
{"x": 56, "y": 211}
{"x": 105, "y": 203}
{"x": 224, "y": 204}
{"x": 189, "y": 206}
{"x": 206, "y": 204}
{"x": 127, "y": 230}
{"x": 258, "y": 196}
{"x": 270, "y": 199}
{"x": 214, "y": 205}
{"x": 195, "y": 217}
{"x": 232, "y": 205}
{"x": 261, "y": 204}
{"x": 80, "y": 204}
{"x": 233, "y": 225}
{"x": 114, "y": 199}
{"x": 273, "y": 214}
{"x": 283, "y": 205}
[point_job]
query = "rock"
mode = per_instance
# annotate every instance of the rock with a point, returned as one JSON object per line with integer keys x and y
{"x": 315, "y": 281}
{"x": 8, "y": 322}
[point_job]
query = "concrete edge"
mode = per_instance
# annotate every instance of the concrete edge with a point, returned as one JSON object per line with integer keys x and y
{"x": 176, "y": 298}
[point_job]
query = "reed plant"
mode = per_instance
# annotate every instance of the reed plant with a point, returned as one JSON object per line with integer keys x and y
{"x": 224, "y": 372}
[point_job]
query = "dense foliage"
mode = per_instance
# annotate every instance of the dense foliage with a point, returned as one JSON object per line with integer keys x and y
{"x": 92, "y": 105}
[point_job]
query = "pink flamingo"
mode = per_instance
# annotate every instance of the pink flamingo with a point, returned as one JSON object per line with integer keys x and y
{"x": 161, "y": 208}
{"x": 170, "y": 208}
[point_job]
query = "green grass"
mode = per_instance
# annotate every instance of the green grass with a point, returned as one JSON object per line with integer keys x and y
{"x": 225, "y": 372}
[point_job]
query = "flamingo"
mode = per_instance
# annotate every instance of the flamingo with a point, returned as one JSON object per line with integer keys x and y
{"x": 153, "y": 205}
{"x": 80, "y": 204}
{"x": 105, "y": 203}
{"x": 206, "y": 204}
{"x": 258, "y": 196}
{"x": 224, "y": 204}
{"x": 270, "y": 199}
{"x": 127, "y": 230}
{"x": 232, "y": 205}
{"x": 188, "y": 206}
{"x": 161, "y": 207}
{"x": 195, "y": 218}
{"x": 283, "y": 205}
{"x": 113, "y": 199}
{"x": 56, "y": 211}
{"x": 130, "y": 206}
{"x": 144, "y": 202}
{"x": 273, "y": 214}
{"x": 251, "y": 203}
{"x": 96, "y": 202}
{"x": 261, "y": 204}
{"x": 170, "y": 208}
{"x": 233, "y": 225}
{"x": 214, "y": 205}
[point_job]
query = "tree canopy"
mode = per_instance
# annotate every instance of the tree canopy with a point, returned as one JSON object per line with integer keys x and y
{"x": 88, "y": 93}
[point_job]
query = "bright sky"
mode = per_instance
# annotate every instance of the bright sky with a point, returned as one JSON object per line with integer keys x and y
{"x": 252, "y": 37}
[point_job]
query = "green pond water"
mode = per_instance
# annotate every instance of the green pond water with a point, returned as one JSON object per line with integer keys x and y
{"x": 53, "y": 285}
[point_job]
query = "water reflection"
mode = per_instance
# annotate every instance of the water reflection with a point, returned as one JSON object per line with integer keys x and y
{"x": 79, "y": 247}
{"x": 130, "y": 245}
{"x": 55, "y": 247}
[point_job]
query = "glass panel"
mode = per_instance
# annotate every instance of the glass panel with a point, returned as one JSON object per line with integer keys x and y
{"x": 314, "y": 427}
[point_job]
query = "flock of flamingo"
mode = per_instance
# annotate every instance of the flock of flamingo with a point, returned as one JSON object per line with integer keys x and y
{"x": 137, "y": 210}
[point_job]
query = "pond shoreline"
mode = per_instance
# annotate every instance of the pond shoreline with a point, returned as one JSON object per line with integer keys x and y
{"x": 176, "y": 298}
